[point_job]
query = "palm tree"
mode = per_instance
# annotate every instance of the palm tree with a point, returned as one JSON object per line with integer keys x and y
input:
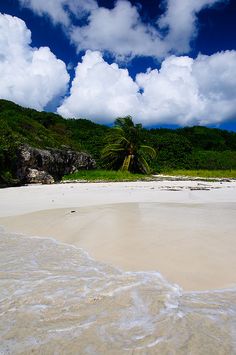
{"x": 124, "y": 149}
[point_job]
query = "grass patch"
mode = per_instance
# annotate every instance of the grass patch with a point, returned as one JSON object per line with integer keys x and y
{"x": 104, "y": 175}
{"x": 231, "y": 174}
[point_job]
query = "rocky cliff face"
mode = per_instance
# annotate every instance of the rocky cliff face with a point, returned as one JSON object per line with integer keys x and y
{"x": 46, "y": 166}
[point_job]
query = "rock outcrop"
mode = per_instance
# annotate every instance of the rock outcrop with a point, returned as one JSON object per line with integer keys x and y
{"x": 34, "y": 176}
{"x": 49, "y": 165}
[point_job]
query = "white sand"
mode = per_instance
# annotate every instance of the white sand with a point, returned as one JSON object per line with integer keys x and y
{"x": 188, "y": 235}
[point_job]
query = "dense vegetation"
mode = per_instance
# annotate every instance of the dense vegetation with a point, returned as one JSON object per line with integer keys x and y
{"x": 184, "y": 148}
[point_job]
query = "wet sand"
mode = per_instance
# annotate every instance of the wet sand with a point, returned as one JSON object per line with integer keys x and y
{"x": 55, "y": 298}
{"x": 188, "y": 234}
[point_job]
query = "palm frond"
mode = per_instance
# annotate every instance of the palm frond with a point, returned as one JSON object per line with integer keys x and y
{"x": 148, "y": 150}
{"x": 144, "y": 167}
{"x": 124, "y": 147}
{"x": 124, "y": 122}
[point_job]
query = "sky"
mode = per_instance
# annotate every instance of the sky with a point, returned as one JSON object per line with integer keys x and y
{"x": 167, "y": 63}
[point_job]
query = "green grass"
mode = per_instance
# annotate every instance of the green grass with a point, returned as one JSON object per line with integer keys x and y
{"x": 111, "y": 175}
{"x": 104, "y": 175}
{"x": 204, "y": 173}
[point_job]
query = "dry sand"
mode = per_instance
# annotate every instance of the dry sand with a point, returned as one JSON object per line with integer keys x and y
{"x": 186, "y": 233}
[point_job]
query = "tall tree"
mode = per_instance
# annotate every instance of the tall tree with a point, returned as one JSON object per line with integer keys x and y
{"x": 125, "y": 149}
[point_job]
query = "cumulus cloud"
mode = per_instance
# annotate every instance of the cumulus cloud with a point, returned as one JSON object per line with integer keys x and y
{"x": 120, "y": 30}
{"x": 29, "y": 76}
{"x": 100, "y": 91}
{"x": 216, "y": 78}
{"x": 184, "y": 91}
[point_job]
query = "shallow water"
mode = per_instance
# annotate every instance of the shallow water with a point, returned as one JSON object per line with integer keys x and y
{"x": 54, "y": 299}
{"x": 193, "y": 245}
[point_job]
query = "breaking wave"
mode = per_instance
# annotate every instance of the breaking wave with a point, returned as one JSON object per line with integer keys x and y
{"x": 55, "y": 299}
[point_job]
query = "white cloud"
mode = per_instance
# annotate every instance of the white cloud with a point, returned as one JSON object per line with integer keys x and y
{"x": 216, "y": 77}
{"x": 29, "y": 76}
{"x": 171, "y": 94}
{"x": 120, "y": 30}
{"x": 59, "y": 11}
{"x": 180, "y": 19}
{"x": 184, "y": 91}
{"x": 100, "y": 91}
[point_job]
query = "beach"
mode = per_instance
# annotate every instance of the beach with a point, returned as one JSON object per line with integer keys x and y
{"x": 183, "y": 229}
{"x": 155, "y": 260}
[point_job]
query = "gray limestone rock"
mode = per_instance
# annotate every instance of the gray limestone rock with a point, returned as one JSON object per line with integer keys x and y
{"x": 49, "y": 165}
{"x": 35, "y": 176}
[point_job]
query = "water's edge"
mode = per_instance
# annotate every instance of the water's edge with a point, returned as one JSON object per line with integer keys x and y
{"x": 55, "y": 298}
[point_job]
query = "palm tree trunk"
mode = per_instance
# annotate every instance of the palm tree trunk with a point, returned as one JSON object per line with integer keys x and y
{"x": 126, "y": 163}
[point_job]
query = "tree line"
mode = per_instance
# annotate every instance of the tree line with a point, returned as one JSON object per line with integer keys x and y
{"x": 125, "y": 145}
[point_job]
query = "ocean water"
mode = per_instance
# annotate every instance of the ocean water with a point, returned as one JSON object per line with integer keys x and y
{"x": 55, "y": 299}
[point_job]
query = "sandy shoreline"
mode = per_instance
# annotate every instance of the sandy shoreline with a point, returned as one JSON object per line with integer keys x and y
{"x": 183, "y": 229}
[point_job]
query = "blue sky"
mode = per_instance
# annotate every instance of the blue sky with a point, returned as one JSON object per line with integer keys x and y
{"x": 167, "y": 63}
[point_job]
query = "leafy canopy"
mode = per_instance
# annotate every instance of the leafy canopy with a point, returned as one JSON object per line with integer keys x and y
{"x": 125, "y": 149}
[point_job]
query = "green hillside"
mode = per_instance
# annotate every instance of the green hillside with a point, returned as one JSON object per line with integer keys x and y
{"x": 20, "y": 125}
{"x": 185, "y": 148}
